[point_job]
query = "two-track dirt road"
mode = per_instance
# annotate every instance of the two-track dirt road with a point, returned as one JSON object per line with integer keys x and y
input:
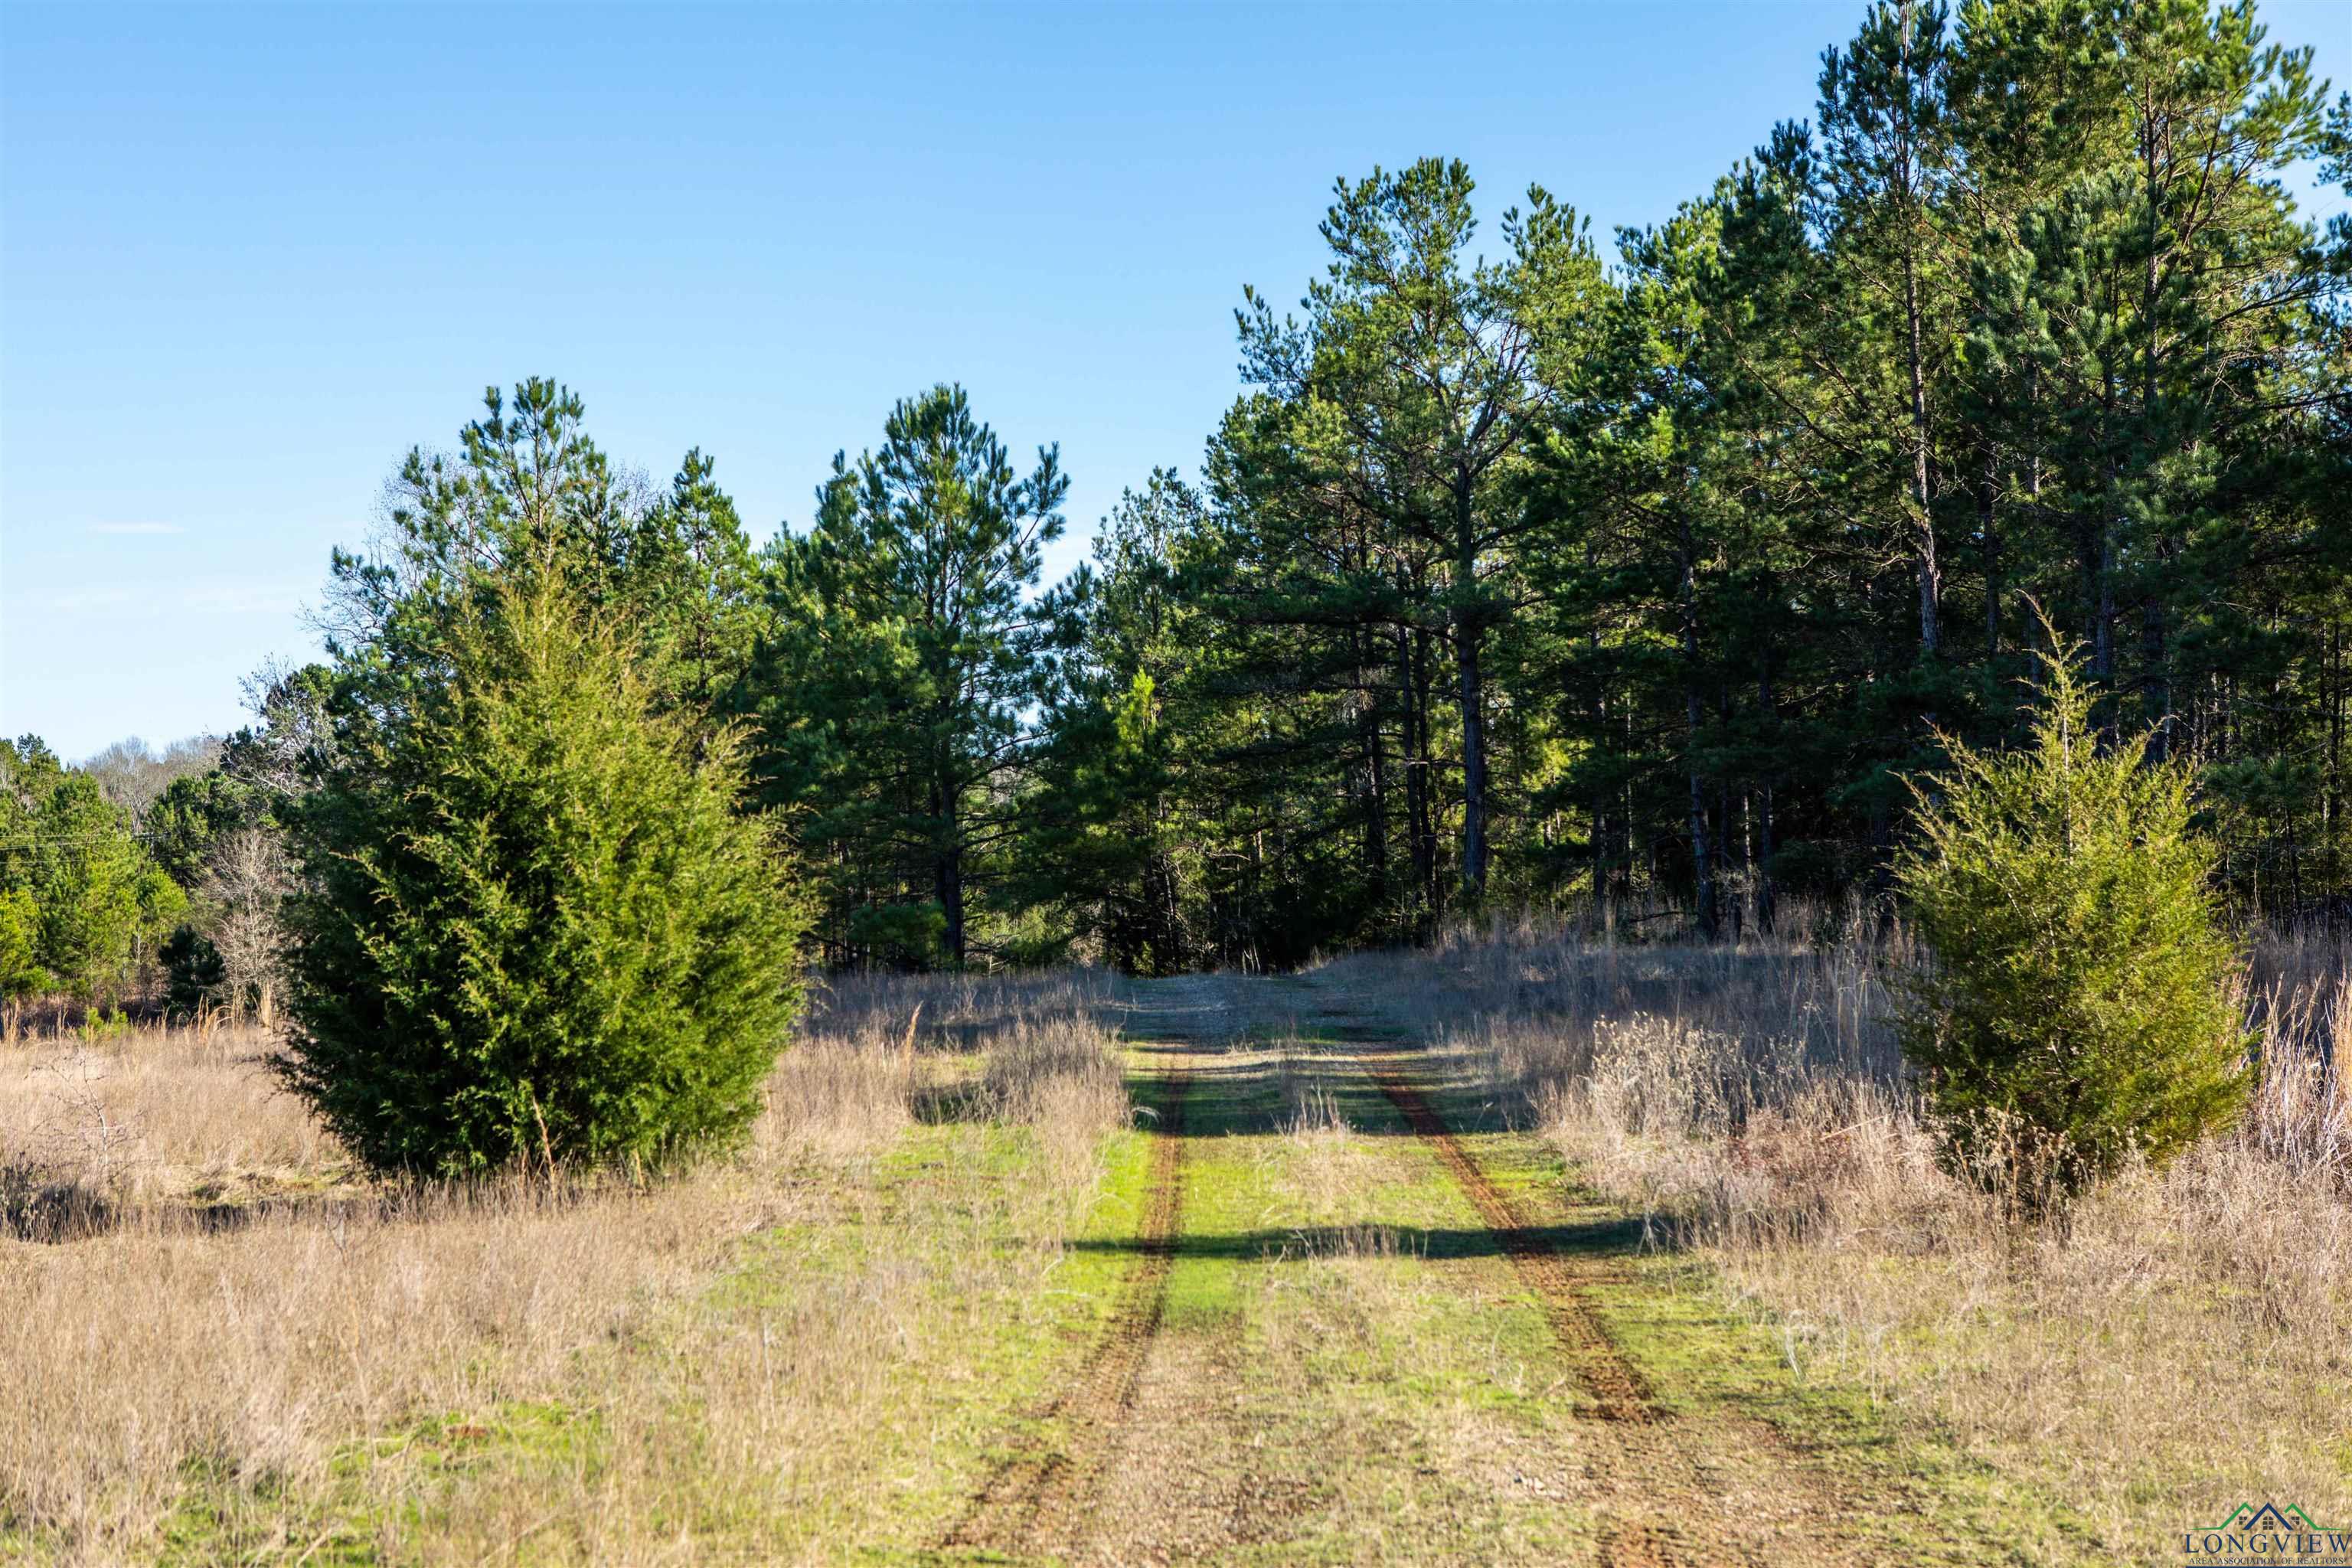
{"x": 1365, "y": 1322}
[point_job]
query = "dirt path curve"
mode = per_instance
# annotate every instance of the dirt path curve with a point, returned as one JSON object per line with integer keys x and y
{"x": 1037, "y": 1502}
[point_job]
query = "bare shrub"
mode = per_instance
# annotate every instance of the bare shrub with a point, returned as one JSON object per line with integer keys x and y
{"x": 156, "y": 1114}
{"x": 246, "y": 878}
{"x": 1311, "y": 1111}
{"x": 955, "y": 1012}
{"x": 2301, "y": 1112}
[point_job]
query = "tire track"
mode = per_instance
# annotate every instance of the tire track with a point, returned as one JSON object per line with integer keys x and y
{"x": 1618, "y": 1390}
{"x": 1036, "y": 1501}
{"x": 1643, "y": 1461}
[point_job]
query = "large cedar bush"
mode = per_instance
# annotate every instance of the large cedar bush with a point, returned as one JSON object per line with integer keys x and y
{"x": 535, "y": 924}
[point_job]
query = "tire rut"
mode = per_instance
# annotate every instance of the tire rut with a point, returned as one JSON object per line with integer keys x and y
{"x": 1036, "y": 1501}
{"x": 1642, "y": 1459}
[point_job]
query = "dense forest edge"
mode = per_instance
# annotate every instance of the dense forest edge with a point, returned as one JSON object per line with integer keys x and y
{"x": 1641, "y": 580}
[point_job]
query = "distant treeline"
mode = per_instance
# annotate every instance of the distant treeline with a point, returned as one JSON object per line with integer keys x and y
{"x": 1541, "y": 571}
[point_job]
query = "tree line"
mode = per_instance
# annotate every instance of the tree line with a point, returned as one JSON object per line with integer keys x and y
{"x": 134, "y": 865}
{"x": 1525, "y": 569}
{"x": 1547, "y": 573}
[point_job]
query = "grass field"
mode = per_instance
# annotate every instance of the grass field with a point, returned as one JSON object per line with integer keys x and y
{"x": 1515, "y": 1251}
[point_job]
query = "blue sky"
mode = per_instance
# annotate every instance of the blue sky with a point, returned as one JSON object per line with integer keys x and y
{"x": 249, "y": 257}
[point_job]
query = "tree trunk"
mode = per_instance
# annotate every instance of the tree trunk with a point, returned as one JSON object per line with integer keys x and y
{"x": 1930, "y": 583}
{"x": 1701, "y": 857}
{"x": 1729, "y": 910}
{"x": 947, "y": 872}
{"x": 1764, "y": 892}
{"x": 2102, "y": 559}
{"x": 1413, "y": 659}
{"x": 1988, "y": 530}
{"x": 1910, "y": 178}
{"x": 2331, "y": 801}
{"x": 2158, "y": 686}
{"x": 1601, "y": 826}
{"x": 1469, "y": 634}
{"x": 1376, "y": 806}
{"x": 1474, "y": 764}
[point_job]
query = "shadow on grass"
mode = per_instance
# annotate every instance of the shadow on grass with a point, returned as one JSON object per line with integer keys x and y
{"x": 1243, "y": 1094}
{"x": 63, "y": 1213}
{"x": 1598, "y": 1239}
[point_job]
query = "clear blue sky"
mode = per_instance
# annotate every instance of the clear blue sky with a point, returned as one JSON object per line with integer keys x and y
{"x": 249, "y": 257}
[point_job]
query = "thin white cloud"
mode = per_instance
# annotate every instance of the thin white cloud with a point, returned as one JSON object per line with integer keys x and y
{"x": 241, "y": 598}
{"x": 136, "y": 528}
{"x": 94, "y": 599}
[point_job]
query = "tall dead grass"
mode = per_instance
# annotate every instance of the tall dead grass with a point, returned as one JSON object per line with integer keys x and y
{"x": 2180, "y": 1340}
{"x": 90, "y": 1125}
{"x": 236, "y": 1319}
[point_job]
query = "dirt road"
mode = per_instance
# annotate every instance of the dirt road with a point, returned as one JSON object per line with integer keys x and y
{"x": 1366, "y": 1320}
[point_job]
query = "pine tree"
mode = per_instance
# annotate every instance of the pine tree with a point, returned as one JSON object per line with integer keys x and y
{"x": 902, "y": 656}
{"x": 1410, "y": 384}
{"x": 692, "y": 591}
{"x": 1108, "y": 844}
{"x": 529, "y": 496}
{"x": 1887, "y": 155}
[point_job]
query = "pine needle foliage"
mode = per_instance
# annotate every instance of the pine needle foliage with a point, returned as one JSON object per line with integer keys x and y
{"x": 536, "y": 927}
{"x": 2080, "y": 1004}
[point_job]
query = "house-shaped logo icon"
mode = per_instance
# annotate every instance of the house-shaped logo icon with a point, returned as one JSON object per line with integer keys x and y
{"x": 2248, "y": 1517}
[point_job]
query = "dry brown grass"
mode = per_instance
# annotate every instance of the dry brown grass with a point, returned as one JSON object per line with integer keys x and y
{"x": 719, "y": 1367}
{"x": 152, "y": 1114}
{"x": 2181, "y": 1341}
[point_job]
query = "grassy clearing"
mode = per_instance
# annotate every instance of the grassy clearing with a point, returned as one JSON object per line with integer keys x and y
{"x": 1901, "y": 1491}
{"x": 823, "y": 1350}
{"x": 1352, "y": 1370}
{"x": 813, "y": 1343}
